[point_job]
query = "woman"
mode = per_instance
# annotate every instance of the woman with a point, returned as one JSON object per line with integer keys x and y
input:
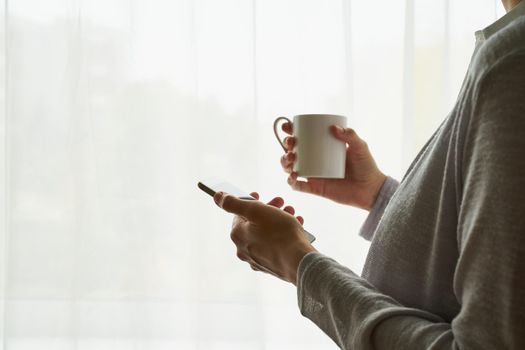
{"x": 446, "y": 266}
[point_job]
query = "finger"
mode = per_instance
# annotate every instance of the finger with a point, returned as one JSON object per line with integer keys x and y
{"x": 243, "y": 207}
{"x": 276, "y": 202}
{"x": 268, "y": 271}
{"x": 287, "y": 128}
{"x": 287, "y": 161}
{"x": 255, "y": 195}
{"x": 236, "y": 236}
{"x": 237, "y": 220}
{"x": 255, "y": 265}
{"x": 289, "y": 142}
{"x": 299, "y": 185}
{"x": 349, "y": 136}
{"x": 289, "y": 209}
{"x": 242, "y": 256}
{"x": 301, "y": 220}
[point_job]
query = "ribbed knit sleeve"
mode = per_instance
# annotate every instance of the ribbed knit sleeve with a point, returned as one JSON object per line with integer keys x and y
{"x": 374, "y": 216}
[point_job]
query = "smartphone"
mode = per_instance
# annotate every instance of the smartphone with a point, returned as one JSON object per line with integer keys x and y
{"x": 213, "y": 186}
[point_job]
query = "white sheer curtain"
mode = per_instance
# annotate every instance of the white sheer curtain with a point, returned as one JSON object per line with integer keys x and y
{"x": 111, "y": 112}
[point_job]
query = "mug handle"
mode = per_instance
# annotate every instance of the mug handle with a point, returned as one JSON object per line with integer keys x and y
{"x": 275, "y": 125}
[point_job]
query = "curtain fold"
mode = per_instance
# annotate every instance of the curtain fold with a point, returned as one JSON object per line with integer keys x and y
{"x": 4, "y": 180}
{"x": 111, "y": 111}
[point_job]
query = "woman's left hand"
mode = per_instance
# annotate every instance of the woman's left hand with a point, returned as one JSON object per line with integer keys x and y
{"x": 268, "y": 238}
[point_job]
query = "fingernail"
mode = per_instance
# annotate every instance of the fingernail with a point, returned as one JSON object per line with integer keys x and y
{"x": 339, "y": 129}
{"x": 218, "y": 197}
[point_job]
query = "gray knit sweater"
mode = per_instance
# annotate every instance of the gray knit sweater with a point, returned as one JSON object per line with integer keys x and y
{"x": 446, "y": 267}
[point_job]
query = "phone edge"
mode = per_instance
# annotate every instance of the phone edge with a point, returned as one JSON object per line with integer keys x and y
{"x": 206, "y": 189}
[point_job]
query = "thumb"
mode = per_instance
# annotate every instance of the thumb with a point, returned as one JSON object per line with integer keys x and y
{"x": 349, "y": 136}
{"x": 234, "y": 205}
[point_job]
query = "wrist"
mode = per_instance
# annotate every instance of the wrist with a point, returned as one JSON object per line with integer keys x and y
{"x": 375, "y": 188}
{"x": 294, "y": 259}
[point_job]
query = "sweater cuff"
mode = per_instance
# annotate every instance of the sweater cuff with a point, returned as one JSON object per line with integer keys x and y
{"x": 313, "y": 279}
{"x": 383, "y": 198}
{"x": 306, "y": 276}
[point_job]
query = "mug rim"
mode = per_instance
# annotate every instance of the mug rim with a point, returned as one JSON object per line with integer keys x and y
{"x": 319, "y": 114}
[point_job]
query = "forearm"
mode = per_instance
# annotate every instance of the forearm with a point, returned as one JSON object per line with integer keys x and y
{"x": 356, "y": 316}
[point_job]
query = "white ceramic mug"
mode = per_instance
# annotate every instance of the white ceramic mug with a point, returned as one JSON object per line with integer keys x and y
{"x": 317, "y": 152}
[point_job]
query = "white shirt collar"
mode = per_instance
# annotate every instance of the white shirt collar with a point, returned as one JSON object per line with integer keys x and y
{"x": 515, "y": 12}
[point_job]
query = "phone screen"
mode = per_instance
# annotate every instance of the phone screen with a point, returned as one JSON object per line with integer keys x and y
{"x": 212, "y": 187}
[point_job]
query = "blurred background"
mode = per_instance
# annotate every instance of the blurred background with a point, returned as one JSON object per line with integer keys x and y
{"x": 112, "y": 110}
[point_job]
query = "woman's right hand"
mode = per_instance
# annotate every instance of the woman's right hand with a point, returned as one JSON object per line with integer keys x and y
{"x": 363, "y": 179}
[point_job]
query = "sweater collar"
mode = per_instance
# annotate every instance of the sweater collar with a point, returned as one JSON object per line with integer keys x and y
{"x": 515, "y": 12}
